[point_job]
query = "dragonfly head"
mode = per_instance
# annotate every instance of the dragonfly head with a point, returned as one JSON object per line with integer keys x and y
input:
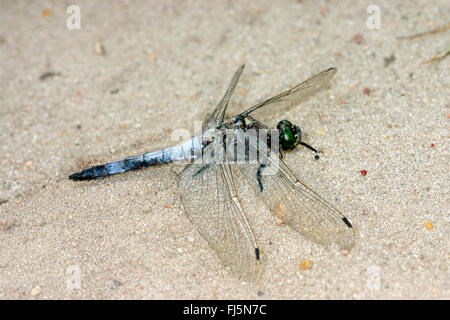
{"x": 290, "y": 135}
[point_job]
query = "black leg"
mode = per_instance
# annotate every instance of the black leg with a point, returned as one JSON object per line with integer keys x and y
{"x": 311, "y": 148}
{"x": 308, "y": 146}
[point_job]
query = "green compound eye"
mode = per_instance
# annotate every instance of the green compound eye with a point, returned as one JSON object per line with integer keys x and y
{"x": 287, "y": 138}
{"x": 289, "y": 134}
{"x": 284, "y": 123}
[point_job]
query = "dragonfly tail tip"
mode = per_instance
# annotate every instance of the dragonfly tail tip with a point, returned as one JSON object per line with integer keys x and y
{"x": 76, "y": 176}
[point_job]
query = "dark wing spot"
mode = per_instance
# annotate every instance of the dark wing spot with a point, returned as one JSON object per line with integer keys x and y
{"x": 206, "y": 166}
{"x": 347, "y": 222}
{"x": 257, "y": 253}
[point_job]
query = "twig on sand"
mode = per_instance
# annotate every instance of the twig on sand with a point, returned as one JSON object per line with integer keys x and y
{"x": 442, "y": 28}
{"x": 439, "y": 56}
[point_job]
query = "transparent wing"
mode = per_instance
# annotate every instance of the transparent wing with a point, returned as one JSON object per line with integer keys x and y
{"x": 216, "y": 117}
{"x": 293, "y": 202}
{"x": 210, "y": 203}
{"x": 282, "y": 102}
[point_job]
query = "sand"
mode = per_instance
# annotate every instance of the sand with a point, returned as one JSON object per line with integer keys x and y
{"x": 138, "y": 70}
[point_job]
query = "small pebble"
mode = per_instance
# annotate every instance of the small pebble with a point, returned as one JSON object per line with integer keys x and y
{"x": 117, "y": 283}
{"x": 99, "y": 49}
{"x": 279, "y": 213}
{"x": 358, "y": 38}
{"x": 35, "y": 291}
{"x": 306, "y": 264}
{"x": 389, "y": 60}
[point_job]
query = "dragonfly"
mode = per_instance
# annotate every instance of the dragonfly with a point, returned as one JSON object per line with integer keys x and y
{"x": 208, "y": 183}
